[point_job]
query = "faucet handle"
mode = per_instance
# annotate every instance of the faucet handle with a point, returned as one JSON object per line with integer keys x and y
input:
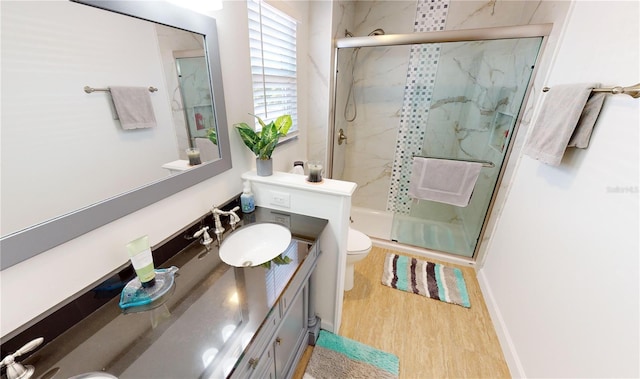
{"x": 28, "y": 347}
{"x": 206, "y": 238}
{"x": 16, "y": 370}
{"x": 200, "y": 232}
{"x": 233, "y": 217}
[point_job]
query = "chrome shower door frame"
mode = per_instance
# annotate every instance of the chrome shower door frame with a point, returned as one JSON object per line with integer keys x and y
{"x": 462, "y": 35}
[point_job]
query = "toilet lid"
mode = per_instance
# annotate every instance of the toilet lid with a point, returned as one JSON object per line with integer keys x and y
{"x": 357, "y": 241}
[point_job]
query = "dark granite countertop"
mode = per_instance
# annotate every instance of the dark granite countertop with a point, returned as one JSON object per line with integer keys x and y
{"x": 205, "y": 325}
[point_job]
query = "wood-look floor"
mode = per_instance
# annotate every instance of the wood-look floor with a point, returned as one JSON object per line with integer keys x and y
{"x": 433, "y": 339}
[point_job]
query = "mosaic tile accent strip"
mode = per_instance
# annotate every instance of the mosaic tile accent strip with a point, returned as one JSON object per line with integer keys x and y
{"x": 431, "y": 15}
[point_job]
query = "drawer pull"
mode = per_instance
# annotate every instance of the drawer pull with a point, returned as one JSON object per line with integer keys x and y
{"x": 253, "y": 363}
{"x": 278, "y": 340}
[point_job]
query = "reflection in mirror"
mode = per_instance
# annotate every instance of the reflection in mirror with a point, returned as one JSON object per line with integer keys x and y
{"x": 67, "y": 165}
{"x": 187, "y": 76}
{"x": 196, "y": 99}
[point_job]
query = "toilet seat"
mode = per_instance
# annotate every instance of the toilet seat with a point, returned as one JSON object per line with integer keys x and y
{"x": 358, "y": 242}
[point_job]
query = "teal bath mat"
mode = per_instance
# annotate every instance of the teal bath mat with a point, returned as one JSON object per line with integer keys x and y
{"x": 425, "y": 278}
{"x": 339, "y": 357}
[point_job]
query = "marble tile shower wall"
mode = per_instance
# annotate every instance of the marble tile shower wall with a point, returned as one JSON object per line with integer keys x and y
{"x": 363, "y": 161}
{"x": 431, "y": 16}
{"x": 344, "y": 12}
{"x": 398, "y": 17}
{"x": 495, "y": 75}
{"x": 380, "y": 77}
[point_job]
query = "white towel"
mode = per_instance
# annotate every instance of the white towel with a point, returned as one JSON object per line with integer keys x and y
{"x": 568, "y": 115}
{"x": 443, "y": 180}
{"x": 134, "y": 108}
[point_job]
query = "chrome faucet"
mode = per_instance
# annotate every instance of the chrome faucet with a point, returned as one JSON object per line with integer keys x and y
{"x": 206, "y": 239}
{"x": 233, "y": 220}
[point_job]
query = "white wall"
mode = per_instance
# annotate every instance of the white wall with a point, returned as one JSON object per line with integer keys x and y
{"x": 561, "y": 273}
{"x": 318, "y": 76}
{"x": 57, "y": 274}
{"x": 53, "y": 133}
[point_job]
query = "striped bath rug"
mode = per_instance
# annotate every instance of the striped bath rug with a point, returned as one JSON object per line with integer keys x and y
{"x": 425, "y": 278}
{"x": 339, "y": 357}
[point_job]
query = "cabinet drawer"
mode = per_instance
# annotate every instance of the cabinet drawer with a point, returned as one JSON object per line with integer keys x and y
{"x": 249, "y": 364}
{"x": 265, "y": 368}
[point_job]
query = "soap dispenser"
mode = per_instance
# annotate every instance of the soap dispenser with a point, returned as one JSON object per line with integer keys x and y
{"x": 247, "y": 203}
{"x": 298, "y": 168}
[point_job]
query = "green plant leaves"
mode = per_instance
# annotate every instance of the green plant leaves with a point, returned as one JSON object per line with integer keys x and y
{"x": 268, "y": 135}
{"x": 279, "y": 260}
{"x": 248, "y": 136}
{"x": 283, "y": 123}
{"x": 213, "y": 135}
{"x": 265, "y": 141}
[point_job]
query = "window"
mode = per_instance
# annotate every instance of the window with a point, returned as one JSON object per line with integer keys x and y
{"x": 272, "y": 36}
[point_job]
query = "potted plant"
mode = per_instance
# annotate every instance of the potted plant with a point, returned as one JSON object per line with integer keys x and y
{"x": 263, "y": 143}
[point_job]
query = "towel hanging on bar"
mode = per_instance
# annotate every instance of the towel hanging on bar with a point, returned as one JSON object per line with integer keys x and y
{"x": 134, "y": 107}
{"x": 633, "y": 91}
{"x": 443, "y": 180}
{"x": 566, "y": 119}
{"x": 484, "y": 163}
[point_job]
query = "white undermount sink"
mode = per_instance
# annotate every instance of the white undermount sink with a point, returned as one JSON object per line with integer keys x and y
{"x": 254, "y": 244}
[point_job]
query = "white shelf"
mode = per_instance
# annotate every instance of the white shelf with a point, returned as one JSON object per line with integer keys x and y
{"x": 327, "y": 186}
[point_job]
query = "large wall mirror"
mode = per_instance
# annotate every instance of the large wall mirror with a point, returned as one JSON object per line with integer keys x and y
{"x": 68, "y": 166}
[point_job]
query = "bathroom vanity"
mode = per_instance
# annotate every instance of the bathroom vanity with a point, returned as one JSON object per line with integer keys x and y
{"x": 219, "y": 321}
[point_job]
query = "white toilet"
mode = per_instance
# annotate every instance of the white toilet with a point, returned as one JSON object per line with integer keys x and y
{"x": 358, "y": 246}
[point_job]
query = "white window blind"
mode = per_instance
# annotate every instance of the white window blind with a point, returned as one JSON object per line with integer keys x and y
{"x": 272, "y": 36}
{"x": 279, "y": 275}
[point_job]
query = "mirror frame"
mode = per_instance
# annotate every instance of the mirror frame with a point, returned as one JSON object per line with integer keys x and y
{"x": 29, "y": 242}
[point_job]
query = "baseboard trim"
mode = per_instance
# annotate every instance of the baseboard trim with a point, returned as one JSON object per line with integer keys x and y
{"x": 506, "y": 343}
{"x": 328, "y": 326}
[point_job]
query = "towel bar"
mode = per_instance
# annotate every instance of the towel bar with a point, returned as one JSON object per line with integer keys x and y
{"x": 633, "y": 91}
{"x": 88, "y": 89}
{"x": 484, "y": 163}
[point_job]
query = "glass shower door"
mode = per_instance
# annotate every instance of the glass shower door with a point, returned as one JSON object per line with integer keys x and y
{"x": 193, "y": 76}
{"x": 468, "y": 112}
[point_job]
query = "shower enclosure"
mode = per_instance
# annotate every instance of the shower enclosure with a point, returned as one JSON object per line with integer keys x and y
{"x": 455, "y": 95}
{"x": 195, "y": 96}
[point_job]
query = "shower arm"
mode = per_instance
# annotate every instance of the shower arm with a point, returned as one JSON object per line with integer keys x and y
{"x": 374, "y": 32}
